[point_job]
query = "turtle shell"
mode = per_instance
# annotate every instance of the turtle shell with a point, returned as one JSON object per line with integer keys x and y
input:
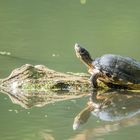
{"x": 119, "y": 67}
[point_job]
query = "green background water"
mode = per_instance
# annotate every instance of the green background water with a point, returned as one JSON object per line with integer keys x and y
{"x": 44, "y": 32}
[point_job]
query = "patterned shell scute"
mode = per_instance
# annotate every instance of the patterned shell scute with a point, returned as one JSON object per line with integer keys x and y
{"x": 124, "y": 68}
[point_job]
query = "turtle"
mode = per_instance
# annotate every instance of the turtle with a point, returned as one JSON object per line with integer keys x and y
{"x": 111, "y": 69}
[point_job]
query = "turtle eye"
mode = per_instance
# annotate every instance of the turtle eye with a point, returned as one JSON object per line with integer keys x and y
{"x": 82, "y": 51}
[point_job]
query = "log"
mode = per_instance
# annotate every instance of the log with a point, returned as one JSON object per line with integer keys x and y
{"x": 41, "y": 78}
{"x": 38, "y": 85}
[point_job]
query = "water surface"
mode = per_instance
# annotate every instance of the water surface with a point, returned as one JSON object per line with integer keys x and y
{"x": 44, "y": 32}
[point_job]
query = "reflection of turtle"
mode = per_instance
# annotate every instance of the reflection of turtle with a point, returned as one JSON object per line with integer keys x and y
{"x": 116, "y": 106}
{"x": 84, "y": 115}
{"x": 113, "y": 70}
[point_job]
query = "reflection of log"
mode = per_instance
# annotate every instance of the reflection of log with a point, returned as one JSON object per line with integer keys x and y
{"x": 37, "y": 85}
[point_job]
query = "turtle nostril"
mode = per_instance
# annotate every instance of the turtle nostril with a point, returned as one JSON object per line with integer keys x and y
{"x": 77, "y": 47}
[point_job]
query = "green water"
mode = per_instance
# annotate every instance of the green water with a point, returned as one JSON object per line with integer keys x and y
{"x": 44, "y": 32}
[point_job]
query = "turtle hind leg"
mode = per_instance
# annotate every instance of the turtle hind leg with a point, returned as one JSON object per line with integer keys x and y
{"x": 116, "y": 86}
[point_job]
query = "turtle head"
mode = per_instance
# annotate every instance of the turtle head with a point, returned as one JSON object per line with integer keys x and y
{"x": 83, "y": 55}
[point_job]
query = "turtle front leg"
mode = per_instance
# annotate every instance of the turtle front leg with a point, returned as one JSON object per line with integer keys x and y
{"x": 94, "y": 78}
